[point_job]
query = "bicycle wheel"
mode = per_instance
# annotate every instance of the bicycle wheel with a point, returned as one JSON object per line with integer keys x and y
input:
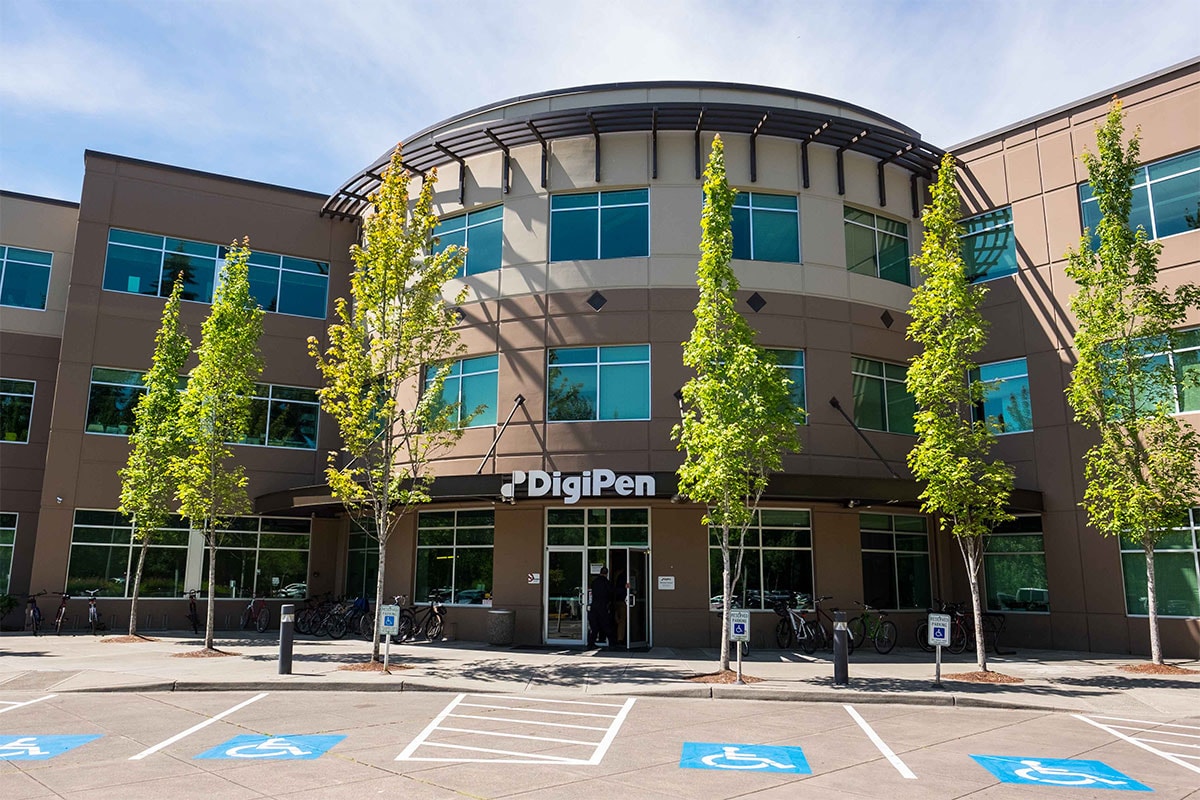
{"x": 406, "y": 626}
{"x": 245, "y": 619}
{"x": 303, "y": 622}
{"x": 858, "y": 631}
{"x": 263, "y": 619}
{"x": 58, "y": 621}
{"x": 433, "y": 631}
{"x": 923, "y": 637}
{"x": 336, "y": 627}
{"x": 783, "y": 633}
{"x": 958, "y": 638}
{"x": 808, "y": 638}
{"x": 885, "y": 637}
{"x": 821, "y": 635}
{"x": 94, "y": 622}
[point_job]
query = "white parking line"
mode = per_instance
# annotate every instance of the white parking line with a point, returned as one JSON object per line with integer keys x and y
{"x": 565, "y": 708}
{"x": 12, "y": 706}
{"x": 1149, "y": 727}
{"x": 900, "y": 766}
{"x": 151, "y": 750}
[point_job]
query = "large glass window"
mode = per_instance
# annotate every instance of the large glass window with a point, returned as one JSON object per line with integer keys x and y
{"x": 1005, "y": 403}
{"x": 283, "y": 416}
{"x": 454, "y": 555}
{"x": 881, "y": 400}
{"x": 989, "y": 248}
{"x": 895, "y": 561}
{"x": 1176, "y": 572}
{"x": 792, "y": 364}
{"x": 471, "y": 384}
{"x": 598, "y": 529}
{"x": 8, "y": 538}
{"x": 1184, "y": 361}
{"x": 113, "y": 396}
{"x": 362, "y": 562}
{"x": 1166, "y": 198}
{"x": 876, "y": 246}
{"x": 778, "y": 561}
{"x": 1014, "y": 567}
{"x": 598, "y": 383}
{"x": 24, "y": 277}
{"x": 143, "y": 263}
{"x": 480, "y": 232}
{"x": 16, "y": 410}
{"x": 766, "y": 227}
{"x": 104, "y": 556}
{"x": 612, "y": 224}
{"x": 264, "y": 556}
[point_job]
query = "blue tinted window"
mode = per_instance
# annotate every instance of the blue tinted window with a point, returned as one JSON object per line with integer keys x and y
{"x": 989, "y": 248}
{"x": 24, "y": 277}
{"x": 1166, "y": 198}
{"x": 598, "y": 383}
{"x": 480, "y": 232}
{"x": 600, "y": 225}
{"x": 1006, "y": 405}
{"x": 792, "y": 364}
{"x": 472, "y": 384}
{"x": 766, "y": 227}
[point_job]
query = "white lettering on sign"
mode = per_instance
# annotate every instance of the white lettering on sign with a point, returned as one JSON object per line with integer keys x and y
{"x": 572, "y": 488}
{"x": 739, "y": 626}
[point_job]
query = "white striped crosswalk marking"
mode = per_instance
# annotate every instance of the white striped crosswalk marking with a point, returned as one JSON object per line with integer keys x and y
{"x": 1140, "y": 734}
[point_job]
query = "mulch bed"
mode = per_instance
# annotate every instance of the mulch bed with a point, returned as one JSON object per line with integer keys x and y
{"x": 372, "y": 666}
{"x": 982, "y": 677}
{"x": 128, "y": 639}
{"x": 725, "y": 676}
{"x": 1157, "y": 669}
{"x": 204, "y": 652}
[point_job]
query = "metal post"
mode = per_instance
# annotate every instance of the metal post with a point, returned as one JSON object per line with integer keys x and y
{"x": 387, "y": 650}
{"x": 287, "y": 627}
{"x": 937, "y": 674}
{"x": 841, "y": 649}
{"x": 739, "y": 680}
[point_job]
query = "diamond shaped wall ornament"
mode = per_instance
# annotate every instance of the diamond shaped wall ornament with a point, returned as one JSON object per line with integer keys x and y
{"x": 597, "y": 301}
{"x": 887, "y": 319}
{"x": 756, "y": 302}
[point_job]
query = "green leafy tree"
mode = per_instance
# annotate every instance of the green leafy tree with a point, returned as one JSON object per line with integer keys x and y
{"x": 156, "y": 443}
{"x": 215, "y": 410}
{"x": 1142, "y": 474}
{"x": 397, "y": 325}
{"x": 738, "y": 416}
{"x": 968, "y": 492}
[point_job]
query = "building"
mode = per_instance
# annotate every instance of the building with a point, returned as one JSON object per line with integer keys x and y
{"x": 580, "y": 209}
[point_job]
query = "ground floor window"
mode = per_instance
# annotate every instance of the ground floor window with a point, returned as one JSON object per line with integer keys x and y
{"x": 362, "y": 560}
{"x": 454, "y": 555}
{"x": 8, "y": 537}
{"x": 1176, "y": 571}
{"x": 260, "y": 556}
{"x": 1014, "y": 567}
{"x": 778, "y": 560}
{"x": 104, "y": 556}
{"x": 895, "y": 561}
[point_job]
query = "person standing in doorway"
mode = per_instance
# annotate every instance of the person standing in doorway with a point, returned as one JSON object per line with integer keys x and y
{"x": 600, "y": 611}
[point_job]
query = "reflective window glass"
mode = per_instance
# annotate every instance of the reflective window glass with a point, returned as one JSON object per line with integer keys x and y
{"x": 598, "y": 383}
{"x": 455, "y": 560}
{"x": 989, "y": 248}
{"x": 876, "y": 246}
{"x": 16, "y": 410}
{"x": 1006, "y": 405}
{"x": 881, "y": 399}
{"x": 1166, "y": 198}
{"x": 766, "y": 227}
{"x": 24, "y": 277}
{"x": 613, "y": 224}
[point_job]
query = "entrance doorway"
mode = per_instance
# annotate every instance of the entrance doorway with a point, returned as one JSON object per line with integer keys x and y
{"x": 629, "y": 570}
{"x": 565, "y": 597}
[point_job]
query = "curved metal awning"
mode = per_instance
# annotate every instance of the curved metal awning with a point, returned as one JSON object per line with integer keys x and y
{"x": 870, "y": 135}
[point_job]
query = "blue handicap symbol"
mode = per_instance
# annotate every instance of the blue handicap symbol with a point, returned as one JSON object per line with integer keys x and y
{"x": 389, "y": 620}
{"x": 40, "y": 748}
{"x": 273, "y": 748}
{"x": 739, "y": 628}
{"x": 1073, "y": 772}
{"x": 939, "y": 632}
{"x": 744, "y": 758}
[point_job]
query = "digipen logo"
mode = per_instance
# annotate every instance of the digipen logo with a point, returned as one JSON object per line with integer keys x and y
{"x": 591, "y": 483}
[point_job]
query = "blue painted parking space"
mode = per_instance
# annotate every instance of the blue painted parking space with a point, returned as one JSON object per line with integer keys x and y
{"x": 41, "y": 747}
{"x": 1065, "y": 772}
{"x": 744, "y": 758}
{"x": 273, "y": 748}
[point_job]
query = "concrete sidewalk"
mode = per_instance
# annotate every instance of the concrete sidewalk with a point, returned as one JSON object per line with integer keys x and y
{"x": 1053, "y": 680}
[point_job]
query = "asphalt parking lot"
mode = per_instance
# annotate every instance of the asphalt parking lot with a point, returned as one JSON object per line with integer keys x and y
{"x": 458, "y": 745}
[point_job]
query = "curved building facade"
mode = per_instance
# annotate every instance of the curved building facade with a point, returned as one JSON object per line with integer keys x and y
{"x": 580, "y": 211}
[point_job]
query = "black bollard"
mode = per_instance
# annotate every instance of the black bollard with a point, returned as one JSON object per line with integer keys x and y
{"x": 841, "y": 649}
{"x": 287, "y": 629}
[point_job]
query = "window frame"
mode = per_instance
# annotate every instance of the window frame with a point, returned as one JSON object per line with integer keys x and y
{"x": 460, "y": 364}
{"x": 271, "y": 400}
{"x": 876, "y": 230}
{"x": 1141, "y": 180}
{"x": 756, "y": 530}
{"x": 965, "y": 222}
{"x": 599, "y": 363}
{"x": 883, "y": 376}
{"x": 468, "y": 225}
{"x": 977, "y": 409}
{"x": 9, "y": 521}
{"x": 750, "y": 209}
{"x": 599, "y": 208}
{"x": 454, "y": 547}
{"x": 895, "y": 553}
{"x": 11, "y": 393}
{"x": 1193, "y": 529}
{"x": 6, "y": 259}
{"x": 1171, "y": 358}
{"x": 790, "y": 371}
{"x": 1019, "y": 527}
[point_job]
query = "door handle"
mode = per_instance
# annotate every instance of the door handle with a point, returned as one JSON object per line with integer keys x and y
{"x": 630, "y": 600}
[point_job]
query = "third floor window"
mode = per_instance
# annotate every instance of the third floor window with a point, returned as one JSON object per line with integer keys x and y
{"x": 595, "y": 225}
{"x": 1166, "y": 198}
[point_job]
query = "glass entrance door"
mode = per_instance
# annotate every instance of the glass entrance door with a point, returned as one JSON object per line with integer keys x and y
{"x": 566, "y": 596}
{"x": 637, "y": 599}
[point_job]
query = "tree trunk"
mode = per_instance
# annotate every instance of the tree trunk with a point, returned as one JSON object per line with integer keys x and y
{"x": 1152, "y": 605}
{"x": 383, "y": 537}
{"x": 726, "y": 598}
{"x": 137, "y": 586}
{"x": 210, "y": 617}
{"x": 972, "y": 550}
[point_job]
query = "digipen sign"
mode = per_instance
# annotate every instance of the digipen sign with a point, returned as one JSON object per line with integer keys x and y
{"x": 571, "y": 488}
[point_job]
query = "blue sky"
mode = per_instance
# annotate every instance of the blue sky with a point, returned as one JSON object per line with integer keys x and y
{"x": 304, "y": 93}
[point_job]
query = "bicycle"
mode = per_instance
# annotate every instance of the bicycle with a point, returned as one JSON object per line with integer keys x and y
{"x": 258, "y": 613}
{"x": 95, "y": 623}
{"x": 61, "y": 616}
{"x": 794, "y": 627}
{"x": 33, "y": 614}
{"x": 426, "y": 621}
{"x": 873, "y": 624}
{"x": 959, "y": 634}
{"x": 192, "y": 616}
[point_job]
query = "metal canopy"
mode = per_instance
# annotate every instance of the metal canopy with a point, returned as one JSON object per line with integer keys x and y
{"x": 427, "y": 150}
